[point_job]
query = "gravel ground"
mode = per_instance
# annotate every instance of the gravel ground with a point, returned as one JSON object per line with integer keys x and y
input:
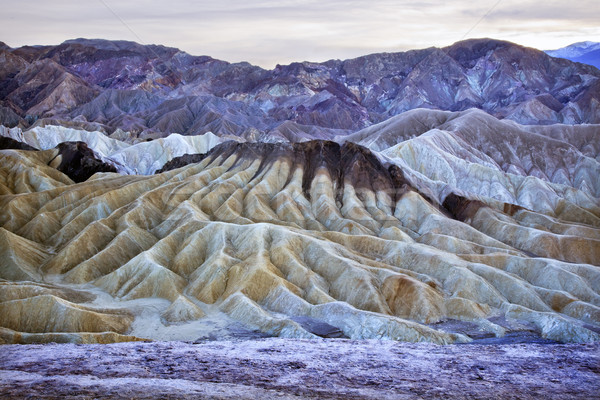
{"x": 300, "y": 369}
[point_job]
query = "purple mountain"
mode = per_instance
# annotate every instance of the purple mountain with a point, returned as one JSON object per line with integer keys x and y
{"x": 152, "y": 90}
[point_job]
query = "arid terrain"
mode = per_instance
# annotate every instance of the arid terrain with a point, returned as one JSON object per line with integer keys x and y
{"x": 416, "y": 225}
{"x": 300, "y": 369}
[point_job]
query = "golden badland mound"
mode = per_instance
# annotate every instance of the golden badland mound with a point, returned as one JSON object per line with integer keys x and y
{"x": 265, "y": 234}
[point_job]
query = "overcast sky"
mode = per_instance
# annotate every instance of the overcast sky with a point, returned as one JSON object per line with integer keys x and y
{"x": 270, "y": 32}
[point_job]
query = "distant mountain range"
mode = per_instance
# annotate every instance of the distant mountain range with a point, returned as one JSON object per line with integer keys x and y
{"x": 153, "y": 90}
{"x": 583, "y": 52}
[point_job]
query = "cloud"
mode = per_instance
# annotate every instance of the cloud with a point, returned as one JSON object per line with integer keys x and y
{"x": 267, "y": 32}
{"x": 586, "y": 11}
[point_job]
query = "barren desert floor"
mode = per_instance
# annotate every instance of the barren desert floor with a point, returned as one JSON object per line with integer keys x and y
{"x": 300, "y": 369}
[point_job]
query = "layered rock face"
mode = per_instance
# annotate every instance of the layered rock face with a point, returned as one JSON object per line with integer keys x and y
{"x": 312, "y": 238}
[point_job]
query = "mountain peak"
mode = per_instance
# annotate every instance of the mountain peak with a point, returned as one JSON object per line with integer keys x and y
{"x": 147, "y": 50}
{"x": 579, "y": 46}
{"x": 102, "y": 43}
{"x": 587, "y": 52}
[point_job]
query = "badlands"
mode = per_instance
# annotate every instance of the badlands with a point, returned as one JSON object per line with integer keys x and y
{"x": 181, "y": 227}
{"x": 388, "y": 233}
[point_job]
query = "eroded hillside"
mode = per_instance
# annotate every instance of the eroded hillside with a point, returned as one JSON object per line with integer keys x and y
{"x": 311, "y": 238}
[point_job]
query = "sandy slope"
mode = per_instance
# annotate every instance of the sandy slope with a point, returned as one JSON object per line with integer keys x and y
{"x": 300, "y": 369}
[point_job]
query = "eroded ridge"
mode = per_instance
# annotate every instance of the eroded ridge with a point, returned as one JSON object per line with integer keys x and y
{"x": 271, "y": 236}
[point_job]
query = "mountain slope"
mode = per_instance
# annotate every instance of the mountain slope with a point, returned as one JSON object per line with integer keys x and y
{"x": 154, "y": 90}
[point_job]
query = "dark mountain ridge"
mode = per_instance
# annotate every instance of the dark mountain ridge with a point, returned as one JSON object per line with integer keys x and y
{"x": 151, "y": 90}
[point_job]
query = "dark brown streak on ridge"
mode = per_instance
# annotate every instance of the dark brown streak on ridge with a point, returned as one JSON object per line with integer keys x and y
{"x": 316, "y": 154}
{"x": 400, "y": 184}
{"x": 349, "y": 163}
{"x": 182, "y": 161}
{"x": 364, "y": 171}
{"x": 269, "y": 153}
{"x": 512, "y": 209}
{"x": 460, "y": 207}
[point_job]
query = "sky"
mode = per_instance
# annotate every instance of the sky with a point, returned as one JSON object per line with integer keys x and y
{"x": 270, "y": 32}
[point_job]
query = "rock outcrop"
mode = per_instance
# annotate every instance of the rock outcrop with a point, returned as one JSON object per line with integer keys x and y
{"x": 296, "y": 240}
{"x": 78, "y": 161}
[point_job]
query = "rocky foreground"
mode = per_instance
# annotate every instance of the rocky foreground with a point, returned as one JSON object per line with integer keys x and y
{"x": 300, "y": 369}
